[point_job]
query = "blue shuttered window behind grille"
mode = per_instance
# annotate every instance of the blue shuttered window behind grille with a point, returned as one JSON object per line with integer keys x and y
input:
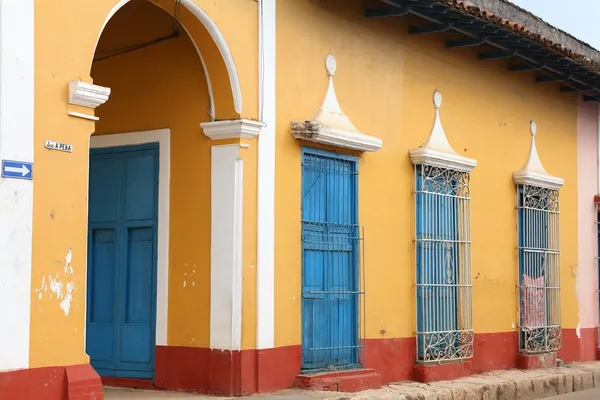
{"x": 330, "y": 263}
{"x": 539, "y": 281}
{"x": 443, "y": 264}
{"x": 437, "y": 265}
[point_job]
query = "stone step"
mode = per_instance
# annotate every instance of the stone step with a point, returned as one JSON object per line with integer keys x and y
{"x": 342, "y": 381}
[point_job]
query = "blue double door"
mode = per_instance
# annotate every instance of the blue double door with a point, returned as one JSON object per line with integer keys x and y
{"x": 121, "y": 275}
{"x": 330, "y": 281}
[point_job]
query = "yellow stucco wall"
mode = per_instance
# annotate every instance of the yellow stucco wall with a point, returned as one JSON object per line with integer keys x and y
{"x": 385, "y": 81}
{"x": 65, "y": 40}
{"x": 163, "y": 86}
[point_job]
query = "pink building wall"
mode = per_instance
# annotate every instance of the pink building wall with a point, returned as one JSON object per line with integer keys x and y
{"x": 587, "y": 271}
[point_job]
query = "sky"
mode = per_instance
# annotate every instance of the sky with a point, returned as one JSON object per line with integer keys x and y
{"x": 577, "y": 17}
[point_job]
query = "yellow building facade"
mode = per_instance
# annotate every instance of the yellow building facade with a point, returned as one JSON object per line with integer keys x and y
{"x": 186, "y": 224}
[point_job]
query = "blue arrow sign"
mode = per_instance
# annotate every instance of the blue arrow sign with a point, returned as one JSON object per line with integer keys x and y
{"x": 17, "y": 169}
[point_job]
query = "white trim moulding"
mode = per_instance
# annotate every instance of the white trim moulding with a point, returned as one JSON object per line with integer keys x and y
{"x": 87, "y": 95}
{"x": 232, "y": 129}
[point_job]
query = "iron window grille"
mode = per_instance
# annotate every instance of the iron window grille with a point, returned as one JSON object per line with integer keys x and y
{"x": 333, "y": 275}
{"x": 444, "y": 287}
{"x": 539, "y": 272}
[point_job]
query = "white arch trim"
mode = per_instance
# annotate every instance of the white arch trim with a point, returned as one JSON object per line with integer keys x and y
{"x": 211, "y": 97}
{"x": 219, "y": 40}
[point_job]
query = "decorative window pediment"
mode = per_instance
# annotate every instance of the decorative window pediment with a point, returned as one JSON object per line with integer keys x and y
{"x": 329, "y": 125}
{"x": 533, "y": 172}
{"x": 437, "y": 150}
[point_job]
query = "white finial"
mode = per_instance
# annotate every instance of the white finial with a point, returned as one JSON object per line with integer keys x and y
{"x": 533, "y": 128}
{"x": 437, "y": 99}
{"x": 437, "y": 150}
{"x": 330, "y": 65}
{"x": 533, "y": 172}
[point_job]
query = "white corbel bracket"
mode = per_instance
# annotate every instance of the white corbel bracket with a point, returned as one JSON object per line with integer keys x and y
{"x": 87, "y": 95}
{"x": 232, "y": 129}
{"x": 318, "y": 133}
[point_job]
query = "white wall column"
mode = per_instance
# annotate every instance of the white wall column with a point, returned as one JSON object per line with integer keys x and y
{"x": 227, "y": 169}
{"x": 265, "y": 273}
{"x": 227, "y": 187}
{"x": 16, "y": 195}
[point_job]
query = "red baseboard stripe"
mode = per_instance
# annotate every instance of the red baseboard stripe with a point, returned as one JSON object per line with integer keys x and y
{"x": 247, "y": 372}
{"x": 74, "y": 382}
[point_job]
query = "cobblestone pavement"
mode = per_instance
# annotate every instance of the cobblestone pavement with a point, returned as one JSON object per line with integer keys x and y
{"x": 496, "y": 385}
{"x": 585, "y": 395}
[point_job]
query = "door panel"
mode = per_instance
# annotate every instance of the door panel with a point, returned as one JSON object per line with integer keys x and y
{"x": 100, "y": 316}
{"x": 140, "y": 187}
{"x": 104, "y": 190}
{"x": 330, "y": 269}
{"x": 136, "y": 329}
{"x": 122, "y": 262}
{"x": 315, "y": 321}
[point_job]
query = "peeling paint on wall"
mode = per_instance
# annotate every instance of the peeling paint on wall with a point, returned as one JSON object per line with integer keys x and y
{"x": 189, "y": 275}
{"x": 59, "y": 286}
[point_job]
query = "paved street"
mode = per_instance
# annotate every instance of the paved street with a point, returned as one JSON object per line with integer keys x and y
{"x": 125, "y": 394}
{"x": 581, "y": 378}
{"x": 585, "y": 395}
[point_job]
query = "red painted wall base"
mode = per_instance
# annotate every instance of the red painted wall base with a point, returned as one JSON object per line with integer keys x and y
{"x": 74, "y": 382}
{"x": 442, "y": 372}
{"x": 226, "y": 373}
{"x": 536, "y": 361}
{"x": 579, "y": 346}
{"x": 346, "y": 381}
{"x": 261, "y": 371}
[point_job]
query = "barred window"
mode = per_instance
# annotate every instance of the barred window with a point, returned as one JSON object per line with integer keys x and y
{"x": 443, "y": 264}
{"x": 539, "y": 273}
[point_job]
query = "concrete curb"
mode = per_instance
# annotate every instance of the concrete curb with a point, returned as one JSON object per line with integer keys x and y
{"x": 496, "y": 385}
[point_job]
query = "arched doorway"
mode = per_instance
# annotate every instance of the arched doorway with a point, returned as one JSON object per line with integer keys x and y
{"x": 146, "y": 146}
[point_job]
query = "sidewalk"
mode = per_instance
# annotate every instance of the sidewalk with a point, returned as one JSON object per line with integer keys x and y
{"x": 495, "y": 385}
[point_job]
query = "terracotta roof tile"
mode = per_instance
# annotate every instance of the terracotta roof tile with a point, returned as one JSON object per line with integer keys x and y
{"x": 519, "y": 29}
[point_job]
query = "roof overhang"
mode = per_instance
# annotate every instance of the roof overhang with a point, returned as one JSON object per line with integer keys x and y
{"x": 512, "y": 32}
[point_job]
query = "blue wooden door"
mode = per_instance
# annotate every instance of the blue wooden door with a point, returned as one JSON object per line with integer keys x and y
{"x": 437, "y": 267}
{"x": 121, "y": 283}
{"x": 329, "y": 262}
